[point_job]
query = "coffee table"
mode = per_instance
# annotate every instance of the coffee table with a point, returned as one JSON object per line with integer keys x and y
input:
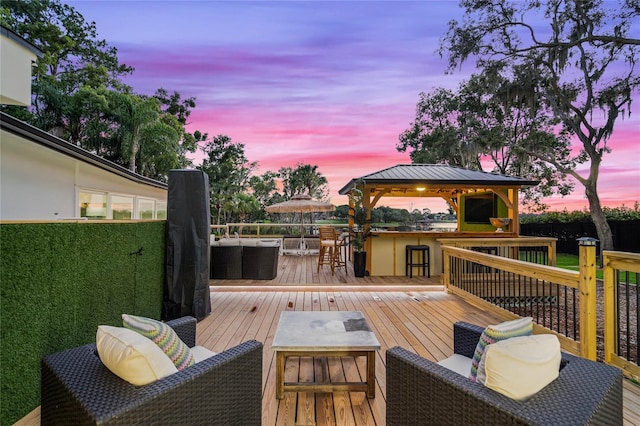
{"x": 324, "y": 334}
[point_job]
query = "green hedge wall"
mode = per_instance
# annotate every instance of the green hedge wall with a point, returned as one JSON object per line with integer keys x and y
{"x": 58, "y": 282}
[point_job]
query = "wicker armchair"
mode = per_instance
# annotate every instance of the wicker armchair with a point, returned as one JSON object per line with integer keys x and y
{"x": 76, "y": 388}
{"x": 422, "y": 392}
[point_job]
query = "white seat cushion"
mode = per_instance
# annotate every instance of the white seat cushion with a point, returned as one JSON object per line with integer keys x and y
{"x": 201, "y": 353}
{"x": 457, "y": 363}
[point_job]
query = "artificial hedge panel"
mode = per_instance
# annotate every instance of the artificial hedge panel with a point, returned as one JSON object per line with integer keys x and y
{"x": 58, "y": 282}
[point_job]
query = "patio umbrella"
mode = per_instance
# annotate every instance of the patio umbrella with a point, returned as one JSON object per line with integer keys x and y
{"x": 300, "y": 204}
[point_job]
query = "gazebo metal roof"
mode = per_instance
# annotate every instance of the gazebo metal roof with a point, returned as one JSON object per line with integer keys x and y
{"x": 435, "y": 177}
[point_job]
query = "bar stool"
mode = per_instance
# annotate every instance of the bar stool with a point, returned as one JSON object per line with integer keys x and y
{"x": 423, "y": 260}
{"x": 330, "y": 251}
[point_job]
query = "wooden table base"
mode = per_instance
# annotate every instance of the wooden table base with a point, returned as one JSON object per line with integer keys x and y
{"x": 368, "y": 386}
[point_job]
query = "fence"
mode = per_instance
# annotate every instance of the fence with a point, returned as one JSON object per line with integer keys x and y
{"x": 625, "y": 234}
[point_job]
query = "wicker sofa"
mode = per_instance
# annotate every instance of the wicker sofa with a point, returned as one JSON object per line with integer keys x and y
{"x": 248, "y": 259}
{"x": 422, "y": 392}
{"x": 76, "y": 388}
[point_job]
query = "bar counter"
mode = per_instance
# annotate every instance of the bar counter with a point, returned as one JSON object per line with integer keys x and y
{"x": 387, "y": 251}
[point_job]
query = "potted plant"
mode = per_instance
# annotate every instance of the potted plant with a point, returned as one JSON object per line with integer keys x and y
{"x": 360, "y": 231}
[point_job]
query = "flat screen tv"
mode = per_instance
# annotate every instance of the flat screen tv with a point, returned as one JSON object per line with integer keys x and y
{"x": 479, "y": 208}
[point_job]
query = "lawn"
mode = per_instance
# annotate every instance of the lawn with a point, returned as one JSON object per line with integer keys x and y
{"x": 570, "y": 261}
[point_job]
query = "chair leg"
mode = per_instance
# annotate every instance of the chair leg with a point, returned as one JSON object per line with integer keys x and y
{"x": 342, "y": 258}
{"x": 332, "y": 255}
{"x": 321, "y": 250}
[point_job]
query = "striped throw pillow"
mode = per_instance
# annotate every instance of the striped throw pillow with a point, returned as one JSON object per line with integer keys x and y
{"x": 495, "y": 333}
{"x": 163, "y": 336}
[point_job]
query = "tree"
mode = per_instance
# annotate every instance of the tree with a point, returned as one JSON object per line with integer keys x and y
{"x": 78, "y": 94}
{"x": 73, "y": 57}
{"x": 582, "y": 66}
{"x": 229, "y": 170}
{"x": 180, "y": 109}
{"x": 304, "y": 179}
{"x": 265, "y": 190}
{"x": 243, "y": 207}
{"x": 137, "y": 118}
{"x": 435, "y": 135}
{"x": 484, "y": 124}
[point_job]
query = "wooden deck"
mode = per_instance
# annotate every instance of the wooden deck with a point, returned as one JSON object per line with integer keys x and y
{"x": 421, "y": 320}
{"x": 413, "y": 313}
{"x": 303, "y": 270}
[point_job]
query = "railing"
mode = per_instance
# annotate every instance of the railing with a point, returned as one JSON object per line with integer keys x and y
{"x": 544, "y": 292}
{"x": 560, "y": 301}
{"x": 621, "y": 301}
{"x": 541, "y": 250}
{"x": 270, "y": 230}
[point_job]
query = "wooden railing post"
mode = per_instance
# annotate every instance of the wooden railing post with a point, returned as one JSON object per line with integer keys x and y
{"x": 587, "y": 269}
{"x": 446, "y": 272}
{"x": 610, "y": 310}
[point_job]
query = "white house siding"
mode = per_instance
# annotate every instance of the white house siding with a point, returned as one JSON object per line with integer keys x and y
{"x": 15, "y": 68}
{"x": 38, "y": 183}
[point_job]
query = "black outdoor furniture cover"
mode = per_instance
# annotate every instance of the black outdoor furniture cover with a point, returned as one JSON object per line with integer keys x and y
{"x": 186, "y": 291}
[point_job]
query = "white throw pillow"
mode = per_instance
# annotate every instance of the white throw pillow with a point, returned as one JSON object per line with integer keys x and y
{"x": 521, "y": 366}
{"x": 229, "y": 242}
{"x": 132, "y": 356}
{"x": 268, "y": 243}
{"x": 495, "y": 333}
{"x": 249, "y": 242}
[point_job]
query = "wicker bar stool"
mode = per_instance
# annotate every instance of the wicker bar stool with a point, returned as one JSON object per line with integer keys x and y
{"x": 422, "y": 261}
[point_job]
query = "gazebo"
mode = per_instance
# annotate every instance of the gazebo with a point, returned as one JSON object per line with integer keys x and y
{"x": 475, "y": 196}
{"x": 440, "y": 180}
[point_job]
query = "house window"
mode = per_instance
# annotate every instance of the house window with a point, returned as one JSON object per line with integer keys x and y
{"x": 121, "y": 207}
{"x": 93, "y": 205}
{"x": 146, "y": 208}
{"x": 161, "y": 210}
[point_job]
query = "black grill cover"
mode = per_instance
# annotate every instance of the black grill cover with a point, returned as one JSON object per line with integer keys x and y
{"x": 186, "y": 290}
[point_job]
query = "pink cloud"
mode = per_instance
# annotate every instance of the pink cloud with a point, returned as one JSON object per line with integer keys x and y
{"x": 300, "y": 82}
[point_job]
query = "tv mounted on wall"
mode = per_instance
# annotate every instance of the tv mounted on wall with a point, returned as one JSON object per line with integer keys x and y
{"x": 479, "y": 208}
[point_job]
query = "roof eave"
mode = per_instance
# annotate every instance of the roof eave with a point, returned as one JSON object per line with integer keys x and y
{"x": 27, "y": 131}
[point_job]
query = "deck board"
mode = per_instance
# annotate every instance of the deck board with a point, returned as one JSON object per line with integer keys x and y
{"x": 410, "y": 312}
{"x": 420, "y": 320}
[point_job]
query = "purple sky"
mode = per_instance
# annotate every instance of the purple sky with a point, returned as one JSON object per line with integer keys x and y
{"x": 328, "y": 83}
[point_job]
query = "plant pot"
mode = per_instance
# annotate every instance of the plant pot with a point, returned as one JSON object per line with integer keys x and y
{"x": 359, "y": 263}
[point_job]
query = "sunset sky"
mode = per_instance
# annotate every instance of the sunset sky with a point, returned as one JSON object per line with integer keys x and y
{"x": 329, "y": 83}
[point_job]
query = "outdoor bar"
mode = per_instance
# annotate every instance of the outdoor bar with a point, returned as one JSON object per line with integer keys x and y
{"x": 475, "y": 196}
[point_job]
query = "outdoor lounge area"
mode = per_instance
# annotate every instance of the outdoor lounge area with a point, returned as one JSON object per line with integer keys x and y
{"x": 416, "y": 315}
